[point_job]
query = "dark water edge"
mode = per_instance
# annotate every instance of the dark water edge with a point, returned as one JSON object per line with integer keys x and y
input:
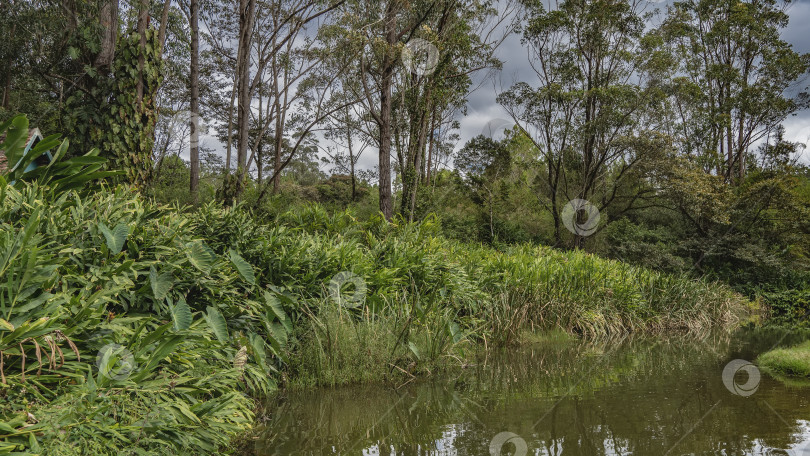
{"x": 639, "y": 396}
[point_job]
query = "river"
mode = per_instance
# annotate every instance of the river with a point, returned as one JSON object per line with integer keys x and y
{"x": 641, "y": 396}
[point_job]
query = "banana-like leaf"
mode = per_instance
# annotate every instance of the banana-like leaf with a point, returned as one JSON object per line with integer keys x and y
{"x": 244, "y": 268}
{"x": 181, "y": 315}
{"x": 217, "y": 324}
{"x": 161, "y": 283}
{"x": 200, "y": 256}
{"x": 414, "y": 350}
{"x": 275, "y": 305}
{"x": 115, "y": 238}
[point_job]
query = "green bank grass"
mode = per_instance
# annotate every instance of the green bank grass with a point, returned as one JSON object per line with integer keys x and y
{"x": 792, "y": 361}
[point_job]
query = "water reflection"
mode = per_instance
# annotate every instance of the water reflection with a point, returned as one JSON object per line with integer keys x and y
{"x": 637, "y": 397}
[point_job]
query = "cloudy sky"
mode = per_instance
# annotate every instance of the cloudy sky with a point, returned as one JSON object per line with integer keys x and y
{"x": 484, "y": 113}
{"x": 483, "y": 108}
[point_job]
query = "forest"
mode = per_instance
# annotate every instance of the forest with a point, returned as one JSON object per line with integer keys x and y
{"x": 206, "y": 203}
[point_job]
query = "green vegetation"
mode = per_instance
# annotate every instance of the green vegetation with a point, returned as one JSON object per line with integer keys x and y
{"x": 125, "y": 323}
{"x": 792, "y": 361}
{"x": 147, "y": 301}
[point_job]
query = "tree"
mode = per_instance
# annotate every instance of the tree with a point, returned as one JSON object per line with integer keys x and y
{"x": 483, "y": 161}
{"x": 730, "y": 74}
{"x": 585, "y": 117}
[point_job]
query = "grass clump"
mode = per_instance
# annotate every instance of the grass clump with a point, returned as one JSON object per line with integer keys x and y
{"x": 791, "y": 361}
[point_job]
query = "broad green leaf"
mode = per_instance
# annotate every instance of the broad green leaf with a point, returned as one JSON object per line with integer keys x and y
{"x": 33, "y": 444}
{"x": 278, "y": 333}
{"x": 161, "y": 283}
{"x": 181, "y": 315}
{"x": 6, "y": 325}
{"x": 115, "y": 238}
{"x": 217, "y": 324}
{"x": 275, "y": 305}
{"x": 259, "y": 351}
{"x": 244, "y": 268}
{"x": 5, "y": 427}
{"x": 200, "y": 256}
{"x": 165, "y": 348}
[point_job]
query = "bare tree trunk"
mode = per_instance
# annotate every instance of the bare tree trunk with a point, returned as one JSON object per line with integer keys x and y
{"x": 109, "y": 23}
{"x": 164, "y": 24}
{"x": 195, "y": 100}
{"x": 230, "y": 123}
{"x": 351, "y": 154}
{"x": 278, "y": 141}
{"x": 247, "y": 16}
{"x": 259, "y": 159}
{"x": 430, "y": 147}
{"x": 386, "y": 199}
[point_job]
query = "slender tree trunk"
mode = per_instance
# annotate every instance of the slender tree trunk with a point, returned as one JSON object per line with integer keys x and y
{"x": 164, "y": 24}
{"x": 418, "y": 164}
{"x": 228, "y": 152}
{"x": 387, "y": 79}
{"x": 247, "y": 16}
{"x": 195, "y": 100}
{"x": 9, "y": 70}
{"x": 277, "y": 146}
{"x": 347, "y": 120}
{"x": 259, "y": 159}
{"x": 278, "y": 138}
{"x": 109, "y": 35}
{"x": 430, "y": 147}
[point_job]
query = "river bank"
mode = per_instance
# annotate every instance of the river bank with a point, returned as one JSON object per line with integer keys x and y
{"x": 134, "y": 325}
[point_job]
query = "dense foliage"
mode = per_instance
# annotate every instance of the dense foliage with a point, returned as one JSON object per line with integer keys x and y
{"x": 146, "y": 301}
{"x": 129, "y": 324}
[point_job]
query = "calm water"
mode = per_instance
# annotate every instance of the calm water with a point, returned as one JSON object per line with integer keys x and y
{"x": 640, "y": 397}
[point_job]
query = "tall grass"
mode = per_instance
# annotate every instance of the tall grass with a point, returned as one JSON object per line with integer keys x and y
{"x": 497, "y": 291}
